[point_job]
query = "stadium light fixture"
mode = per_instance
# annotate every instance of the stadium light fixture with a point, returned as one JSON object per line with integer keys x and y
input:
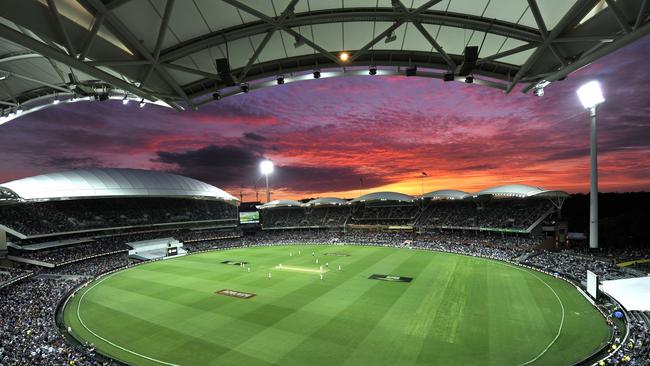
{"x": 591, "y": 95}
{"x": 344, "y": 56}
{"x": 280, "y": 80}
{"x": 316, "y": 74}
{"x": 142, "y": 103}
{"x": 244, "y": 87}
{"x": 266, "y": 167}
{"x": 372, "y": 70}
{"x": 216, "y": 96}
{"x": 56, "y": 99}
{"x": 125, "y": 100}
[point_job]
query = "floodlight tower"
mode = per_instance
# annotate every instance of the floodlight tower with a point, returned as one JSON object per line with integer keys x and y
{"x": 267, "y": 168}
{"x": 591, "y": 96}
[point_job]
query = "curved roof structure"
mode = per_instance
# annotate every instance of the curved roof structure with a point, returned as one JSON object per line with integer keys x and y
{"x": 92, "y": 183}
{"x": 384, "y": 196}
{"x": 326, "y": 201}
{"x": 446, "y": 194}
{"x": 179, "y": 53}
{"x": 520, "y": 190}
{"x": 280, "y": 204}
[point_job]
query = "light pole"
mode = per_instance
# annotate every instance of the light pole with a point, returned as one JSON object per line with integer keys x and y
{"x": 267, "y": 168}
{"x": 591, "y": 96}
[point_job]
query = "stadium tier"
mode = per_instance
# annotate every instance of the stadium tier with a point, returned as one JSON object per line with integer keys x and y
{"x": 512, "y": 208}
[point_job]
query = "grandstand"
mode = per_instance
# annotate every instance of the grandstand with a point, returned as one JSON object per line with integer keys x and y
{"x": 512, "y": 208}
{"x": 47, "y": 217}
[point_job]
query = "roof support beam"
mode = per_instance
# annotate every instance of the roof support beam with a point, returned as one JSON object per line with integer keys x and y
{"x": 577, "y": 12}
{"x": 188, "y": 70}
{"x": 439, "y": 49}
{"x": 162, "y": 32}
{"x": 133, "y": 43}
{"x": 596, "y": 54}
{"x": 543, "y": 31}
{"x": 350, "y": 15}
{"x": 90, "y": 37}
{"x": 58, "y": 24}
{"x": 278, "y": 25}
{"x": 401, "y": 17}
{"x": 620, "y": 17}
{"x": 642, "y": 14}
{"x": 287, "y": 11}
{"x": 28, "y": 78}
{"x": 522, "y": 48}
{"x": 111, "y": 63}
{"x": 50, "y": 52}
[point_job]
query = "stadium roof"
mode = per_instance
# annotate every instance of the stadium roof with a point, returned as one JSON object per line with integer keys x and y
{"x": 93, "y": 183}
{"x": 520, "y": 190}
{"x": 325, "y": 201}
{"x": 446, "y": 194}
{"x": 179, "y": 53}
{"x": 281, "y": 203}
{"x": 384, "y": 196}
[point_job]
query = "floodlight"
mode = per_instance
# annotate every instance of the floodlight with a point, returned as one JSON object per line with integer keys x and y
{"x": 316, "y": 74}
{"x": 19, "y": 110}
{"x": 125, "y": 100}
{"x": 56, "y": 100}
{"x": 267, "y": 167}
{"x": 280, "y": 80}
{"x": 590, "y": 94}
{"x": 244, "y": 87}
{"x": 344, "y": 56}
{"x": 469, "y": 79}
{"x": 142, "y": 103}
{"x": 216, "y": 96}
{"x": 372, "y": 70}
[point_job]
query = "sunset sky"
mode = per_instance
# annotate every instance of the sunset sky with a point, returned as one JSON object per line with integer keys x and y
{"x": 326, "y": 135}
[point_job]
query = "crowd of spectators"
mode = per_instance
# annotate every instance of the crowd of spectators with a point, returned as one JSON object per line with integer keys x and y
{"x": 635, "y": 350}
{"x": 511, "y": 214}
{"x": 10, "y": 274}
{"x": 574, "y": 266}
{"x": 504, "y": 214}
{"x": 375, "y": 214}
{"x": 36, "y": 218}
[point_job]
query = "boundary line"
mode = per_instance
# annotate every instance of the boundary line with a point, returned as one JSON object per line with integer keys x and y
{"x": 559, "y": 331}
{"x": 106, "y": 340}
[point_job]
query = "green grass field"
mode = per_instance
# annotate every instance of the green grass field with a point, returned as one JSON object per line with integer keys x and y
{"x": 457, "y": 310}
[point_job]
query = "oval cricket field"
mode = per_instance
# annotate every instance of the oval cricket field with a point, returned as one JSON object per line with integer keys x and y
{"x": 368, "y": 306}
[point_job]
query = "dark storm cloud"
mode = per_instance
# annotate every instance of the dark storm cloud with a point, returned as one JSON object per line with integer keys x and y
{"x": 234, "y": 166}
{"x": 253, "y": 136}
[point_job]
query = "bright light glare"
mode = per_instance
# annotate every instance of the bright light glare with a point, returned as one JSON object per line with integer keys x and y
{"x": 590, "y": 94}
{"x": 55, "y": 101}
{"x": 344, "y": 56}
{"x": 267, "y": 167}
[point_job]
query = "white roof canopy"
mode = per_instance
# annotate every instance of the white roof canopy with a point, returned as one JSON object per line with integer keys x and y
{"x": 91, "y": 183}
{"x": 167, "y": 50}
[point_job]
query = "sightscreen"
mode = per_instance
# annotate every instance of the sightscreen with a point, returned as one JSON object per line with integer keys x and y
{"x": 592, "y": 284}
{"x": 249, "y": 217}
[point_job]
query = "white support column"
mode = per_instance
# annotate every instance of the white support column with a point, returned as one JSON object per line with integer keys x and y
{"x": 593, "y": 180}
